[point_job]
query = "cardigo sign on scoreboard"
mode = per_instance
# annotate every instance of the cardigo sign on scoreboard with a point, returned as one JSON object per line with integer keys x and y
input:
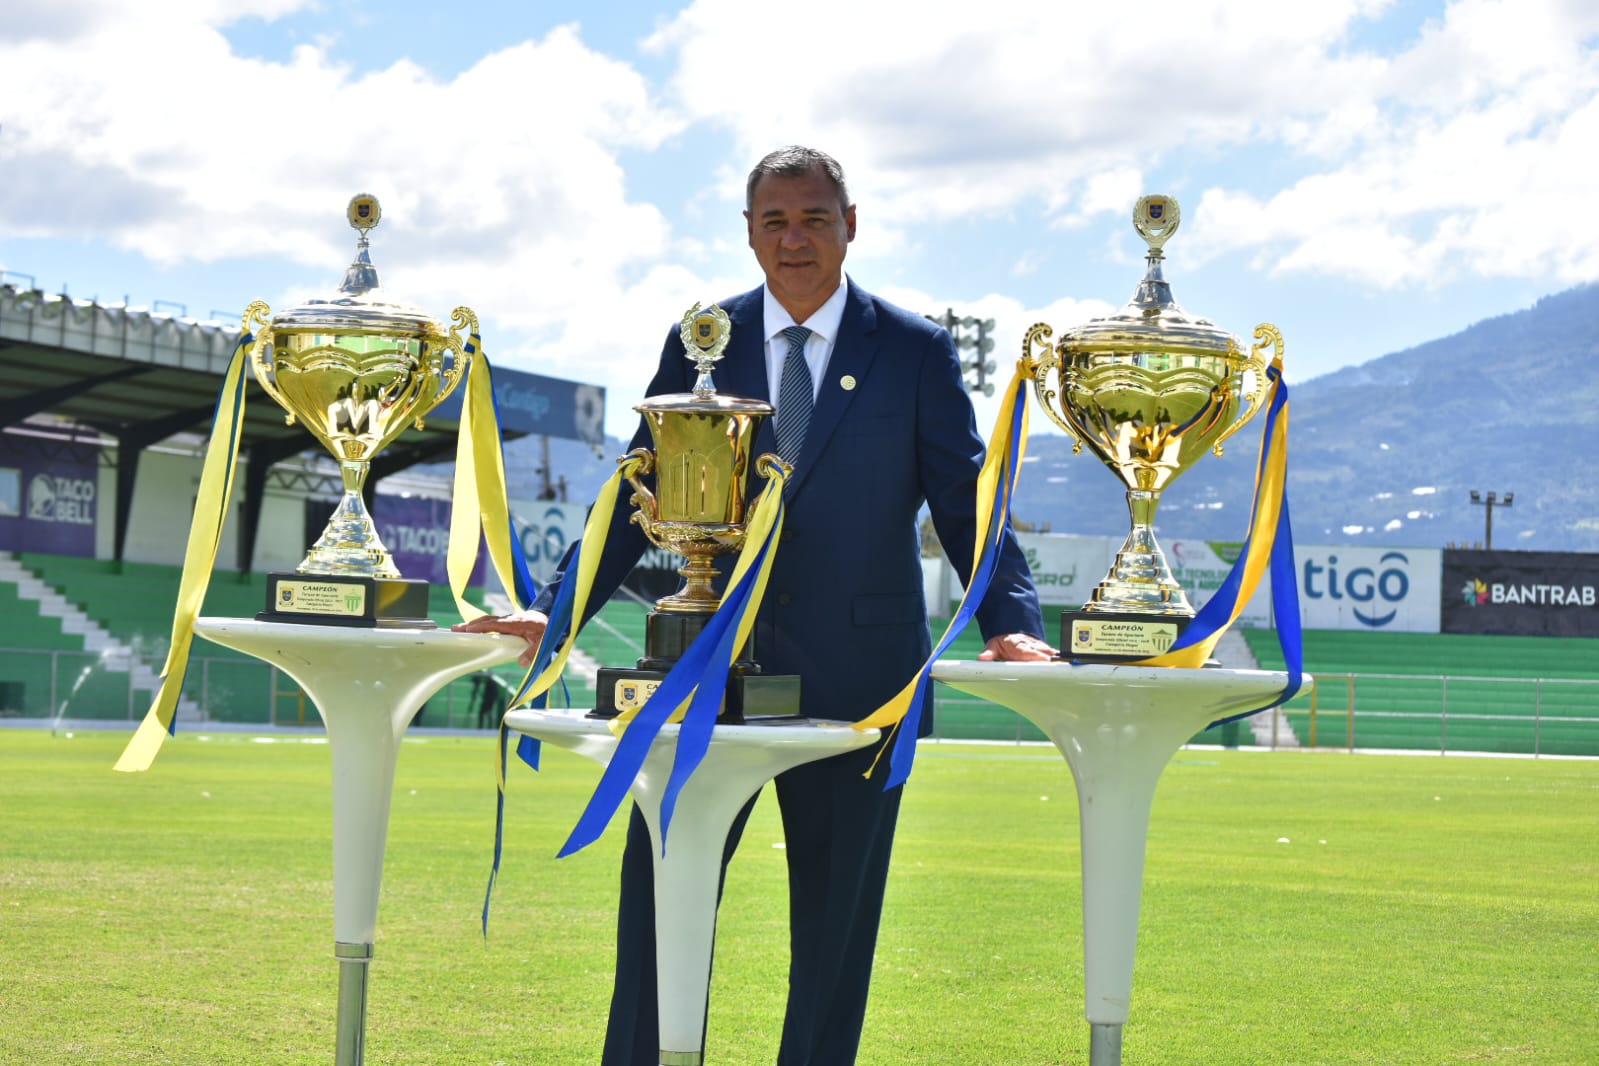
{"x": 1392, "y": 589}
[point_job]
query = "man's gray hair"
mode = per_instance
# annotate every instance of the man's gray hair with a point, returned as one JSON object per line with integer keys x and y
{"x": 796, "y": 162}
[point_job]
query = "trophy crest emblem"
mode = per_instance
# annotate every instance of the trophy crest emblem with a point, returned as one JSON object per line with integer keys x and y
{"x": 705, "y": 334}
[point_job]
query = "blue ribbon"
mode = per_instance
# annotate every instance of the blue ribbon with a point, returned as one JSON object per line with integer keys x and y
{"x": 903, "y": 754}
{"x": 701, "y": 670}
{"x": 1218, "y": 610}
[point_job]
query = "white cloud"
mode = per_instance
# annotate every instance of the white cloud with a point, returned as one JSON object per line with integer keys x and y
{"x": 521, "y": 187}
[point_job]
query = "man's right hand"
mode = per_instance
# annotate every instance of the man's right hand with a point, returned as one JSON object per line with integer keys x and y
{"x": 529, "y": 625}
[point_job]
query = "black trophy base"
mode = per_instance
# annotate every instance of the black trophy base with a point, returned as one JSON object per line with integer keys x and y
{"x": 751, "y": 695}
{"x": 346, "y": 600}
{"x": 1116, "y": 637}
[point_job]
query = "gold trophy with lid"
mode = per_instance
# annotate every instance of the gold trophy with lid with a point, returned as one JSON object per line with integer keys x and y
{"x": 697, "y": 509}
{"x": 1149, "y": 390}
{"x": 356, "y": 369}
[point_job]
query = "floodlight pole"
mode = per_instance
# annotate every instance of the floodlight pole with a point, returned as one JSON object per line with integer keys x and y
{"x": 1488, "y": 503}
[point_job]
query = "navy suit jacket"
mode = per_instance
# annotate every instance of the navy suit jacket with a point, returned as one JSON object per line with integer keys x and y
{"x": 844, "y": 607}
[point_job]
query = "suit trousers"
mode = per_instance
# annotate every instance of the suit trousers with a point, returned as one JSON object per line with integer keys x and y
{"x": 838, "y": 828}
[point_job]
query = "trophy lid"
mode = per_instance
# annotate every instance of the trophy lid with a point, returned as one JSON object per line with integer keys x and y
{"x": 694, "y": 403}
{"x": 359, "y": 306}
{"x": 1152, "y": 321}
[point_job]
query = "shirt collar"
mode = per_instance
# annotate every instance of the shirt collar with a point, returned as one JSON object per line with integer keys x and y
{"x": 824, "y": 322}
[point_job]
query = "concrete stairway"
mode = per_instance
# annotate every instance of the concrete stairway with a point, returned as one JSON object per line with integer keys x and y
{"x": 114, "y": 656}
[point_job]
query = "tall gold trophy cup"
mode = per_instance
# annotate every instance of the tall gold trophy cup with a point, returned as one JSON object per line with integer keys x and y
{"x": 697, "y": 509}
{"x": 1149, "y": 390}
{"x": 356, "y": 369}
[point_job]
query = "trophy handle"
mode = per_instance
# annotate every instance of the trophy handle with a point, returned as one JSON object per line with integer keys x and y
{"x": 462, "y": 318}
{"x": 1038, "y": 367}
{"x": 634, "y": 465}
{"x": 768, "y": 464}
{"x": 1267, "y": 336}
{"x": 260, "y": 315}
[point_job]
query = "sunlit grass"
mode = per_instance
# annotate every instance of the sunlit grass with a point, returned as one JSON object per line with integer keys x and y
{"x": 1300, "y": 909}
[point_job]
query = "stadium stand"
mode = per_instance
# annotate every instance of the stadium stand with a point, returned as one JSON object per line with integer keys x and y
{"x": 1373, "y": 690}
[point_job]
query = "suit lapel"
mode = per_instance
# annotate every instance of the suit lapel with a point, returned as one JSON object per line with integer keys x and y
{"x": 852, "y": 356}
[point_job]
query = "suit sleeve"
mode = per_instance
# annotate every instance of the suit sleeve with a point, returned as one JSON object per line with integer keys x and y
{"x": 625, "y": 542}
{"x": 950, "y": 457}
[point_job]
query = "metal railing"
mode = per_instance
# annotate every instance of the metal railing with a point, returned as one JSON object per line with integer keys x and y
{"x": 55, "y": 685}
{"x": 1442, "y": 713}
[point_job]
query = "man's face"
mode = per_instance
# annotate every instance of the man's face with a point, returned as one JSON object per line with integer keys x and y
{"x": 799, "y": 232}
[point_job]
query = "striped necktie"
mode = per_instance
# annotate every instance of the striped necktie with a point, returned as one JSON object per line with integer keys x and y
{"x": 794, "y": 396}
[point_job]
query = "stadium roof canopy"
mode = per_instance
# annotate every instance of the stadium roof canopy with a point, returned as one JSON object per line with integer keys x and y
{"x": 77, "y": 369}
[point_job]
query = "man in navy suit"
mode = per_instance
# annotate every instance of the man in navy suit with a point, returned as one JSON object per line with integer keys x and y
{"x": 890, "y": 428}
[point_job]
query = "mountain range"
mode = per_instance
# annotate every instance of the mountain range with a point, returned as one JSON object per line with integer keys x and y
{"x": 1385, "y": 453}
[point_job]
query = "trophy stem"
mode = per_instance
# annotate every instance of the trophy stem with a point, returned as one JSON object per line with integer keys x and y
{"x": 698, "y": 594}
{"x": 1139, "y": 580}
{"x": 350, "y": 544}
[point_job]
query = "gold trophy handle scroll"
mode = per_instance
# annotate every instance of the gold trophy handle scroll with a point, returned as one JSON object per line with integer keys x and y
{"x": 453, "y": 372}
{"x": 1267, "y": 338}
{"x": 258, "y": 321}
{"x": 1038, "y": 367}
{"x": 635, "y": 464}
{"x": 768, "y": 464}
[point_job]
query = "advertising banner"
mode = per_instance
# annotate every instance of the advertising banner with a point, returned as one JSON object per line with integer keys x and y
{"x": 546, "y": 529}
{"x": 48, "y": 496}
{"x": 1065, "y": 568}
{"x": 535, "y": 404}
{"x": 416, "y": 530}
{"x": 1551, "y": 594}
{"x": 1389, "y": 589}
{"x": 1200, "y": 566}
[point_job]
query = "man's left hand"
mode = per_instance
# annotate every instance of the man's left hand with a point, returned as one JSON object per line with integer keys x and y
{"x": 1016, "y": 648}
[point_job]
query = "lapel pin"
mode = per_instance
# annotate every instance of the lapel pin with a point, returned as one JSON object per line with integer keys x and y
{"x": 848, "y": 381}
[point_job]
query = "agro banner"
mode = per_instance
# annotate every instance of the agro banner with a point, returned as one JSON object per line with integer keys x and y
{"x": 48, "y": 496}
{"x": 1390, "y": 589}
{"x": 1550, "y": 594}
{"x": 1200, "y": 566}
{"x": 1065, "y": 568}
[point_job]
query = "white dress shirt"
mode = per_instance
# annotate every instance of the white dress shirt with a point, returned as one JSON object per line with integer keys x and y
{"x": 823, "y": 325}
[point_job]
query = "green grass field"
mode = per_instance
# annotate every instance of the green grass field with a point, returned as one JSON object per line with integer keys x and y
{"x": 1299, "y": 909}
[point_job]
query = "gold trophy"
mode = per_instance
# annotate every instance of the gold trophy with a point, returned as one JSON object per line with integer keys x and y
{"x": 355, "y": 369}
{"x": 1149, "y": 390}
{"x": 701, "y": 462}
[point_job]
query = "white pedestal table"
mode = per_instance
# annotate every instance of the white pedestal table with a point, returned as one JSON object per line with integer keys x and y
{"x": 1118, "y": 727}
{"x": 739, "y": 761}
{"x": 367, "y": 684}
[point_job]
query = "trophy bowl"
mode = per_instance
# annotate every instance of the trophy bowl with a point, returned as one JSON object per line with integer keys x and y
{"x": 356, "y": 369}
{"x": 1149, "y": 390}
{"x": 701, "y": 456}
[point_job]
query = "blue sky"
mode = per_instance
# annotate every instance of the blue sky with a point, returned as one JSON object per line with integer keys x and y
{"x": 1365, "y": 175}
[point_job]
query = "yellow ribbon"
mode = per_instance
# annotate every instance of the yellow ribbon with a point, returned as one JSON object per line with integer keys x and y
{"x": 205, "y": 532}
{"x": 595, "y": 530}
{"x": 1270, "y": 484}
{"x": 479, "y": 507}
{"x": 992, "y": 499}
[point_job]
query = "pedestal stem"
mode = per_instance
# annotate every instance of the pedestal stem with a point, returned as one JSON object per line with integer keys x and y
{"x": 1105, "y": 1045}
{"x": 350, "y": 1028}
